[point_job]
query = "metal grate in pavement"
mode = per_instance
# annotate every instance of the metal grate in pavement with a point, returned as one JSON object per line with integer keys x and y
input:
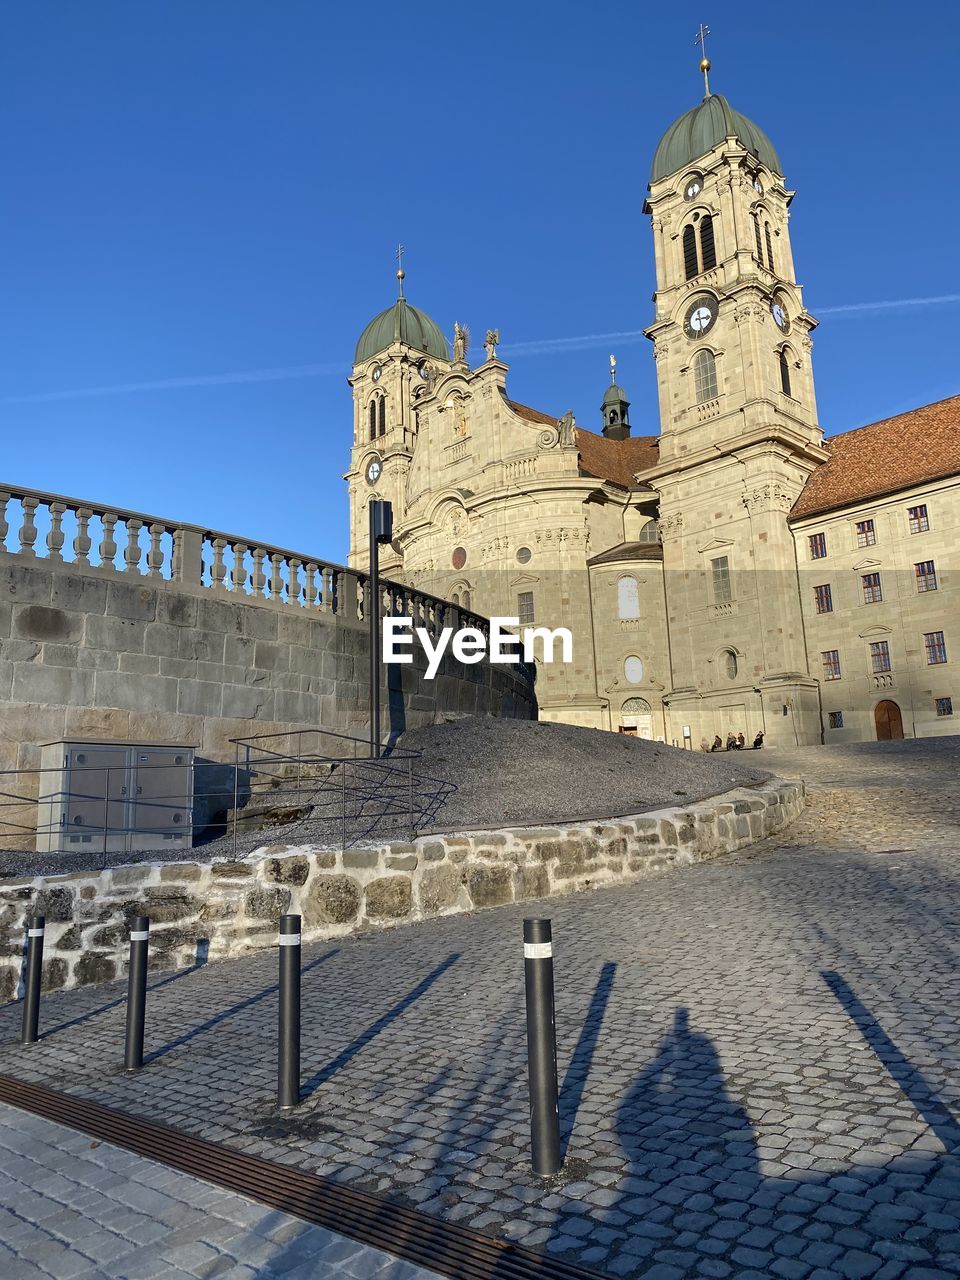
{"x": 444, "y": 1247}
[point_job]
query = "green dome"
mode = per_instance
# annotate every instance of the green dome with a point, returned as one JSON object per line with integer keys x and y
{"x": 614, "y": 394}
{"x": 401, "y": 323}
{"x": 702, "y": 129}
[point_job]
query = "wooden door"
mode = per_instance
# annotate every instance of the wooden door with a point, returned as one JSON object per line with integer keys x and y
{"x": 888, "y": 720}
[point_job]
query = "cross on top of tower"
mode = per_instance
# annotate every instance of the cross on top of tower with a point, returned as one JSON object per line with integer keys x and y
{"x": 401, "y": 274}
{"x": 705, "y": 64}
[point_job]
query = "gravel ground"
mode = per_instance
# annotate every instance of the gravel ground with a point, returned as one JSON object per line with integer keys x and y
{"x": 489, "y": 773}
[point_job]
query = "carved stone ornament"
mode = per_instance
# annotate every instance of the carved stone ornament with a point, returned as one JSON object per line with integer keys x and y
{"x": 549, "y": 438}
{"x": 748, "y": 311}
{"x": 768, "y": 497}
{"x": 670, "y": 526}
{"x": 660, "y": 350}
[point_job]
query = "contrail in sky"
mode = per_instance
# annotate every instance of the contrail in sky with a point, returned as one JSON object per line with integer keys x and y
{"x": 535, "y": 347}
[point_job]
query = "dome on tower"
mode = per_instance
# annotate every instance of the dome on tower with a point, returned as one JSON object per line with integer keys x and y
{"x": 614, "y": 394}
{"x": 401, "y": 323}
{"x": 705, "y": 127}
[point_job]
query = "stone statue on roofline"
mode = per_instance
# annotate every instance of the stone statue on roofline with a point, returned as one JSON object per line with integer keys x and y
{"x": 461, "y": 340}
{"x": 490, "y": 343}
{"x": 566, "y": 427}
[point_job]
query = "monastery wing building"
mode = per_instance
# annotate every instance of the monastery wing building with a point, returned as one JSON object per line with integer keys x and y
{"x": 735, "y": 573}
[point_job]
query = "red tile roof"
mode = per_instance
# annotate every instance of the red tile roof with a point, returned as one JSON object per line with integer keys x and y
{"x": 616, "y": 460}
{"x": 896, "y": 453}
{"x": 532, "y": 415}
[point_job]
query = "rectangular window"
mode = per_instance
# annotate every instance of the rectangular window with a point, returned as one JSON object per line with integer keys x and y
{"x": 919, "y": 520}
{"x": 835, "y": 719}
{"x": 818, "y": 545}
{"x": 824, "y": 598}
{"x": 525, "y": 608}
{"x": 866, "y": 534}
{"x": 935, "y": 647}
{"x": 926, "y": 575}
{"x": 872, "y": 591}
{"x": 944, "y": 706}
{"x": 831, "y": 664}
{"x": 722, "y": 592}
{"x": 879, "y": 656}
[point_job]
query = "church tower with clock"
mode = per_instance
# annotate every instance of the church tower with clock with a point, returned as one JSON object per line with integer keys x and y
{"x": 738, "y": 425}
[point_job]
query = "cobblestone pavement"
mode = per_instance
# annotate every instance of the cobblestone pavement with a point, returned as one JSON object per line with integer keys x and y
{"x": 82, "y": 1210}
{"x": 759, "y": 1056}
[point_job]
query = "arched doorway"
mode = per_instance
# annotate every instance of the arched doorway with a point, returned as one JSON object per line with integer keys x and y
{"x": 888, "y": 720}
{"x": 636, "y": 718}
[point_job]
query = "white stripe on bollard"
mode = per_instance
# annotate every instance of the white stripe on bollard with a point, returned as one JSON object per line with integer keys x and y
{"x": 34, "y": 933}
{"x": 139, "y": 935}
{"x": 537, "y": 950}
{"x": 289, "y": 939}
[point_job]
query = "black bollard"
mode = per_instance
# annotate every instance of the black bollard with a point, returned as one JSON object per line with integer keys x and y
{"x": 32, "y": 980}
{"x": 288, "y": 1056}
{"x": 541, "y": 1047}
{"x": 136, "y": 993}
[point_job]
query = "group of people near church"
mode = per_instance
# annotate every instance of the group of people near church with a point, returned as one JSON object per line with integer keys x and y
{"x": 735, "y": 742}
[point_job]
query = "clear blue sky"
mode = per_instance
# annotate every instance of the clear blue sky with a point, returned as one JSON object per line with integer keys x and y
{"x": 200, "y": 192}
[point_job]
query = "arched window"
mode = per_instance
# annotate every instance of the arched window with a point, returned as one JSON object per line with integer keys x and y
{"x": 766, "y": 232}
{"x": 628, "y": 598}
{"x": 613, "y": 417}
{"x": 466, "y": 600}
{"x": 690, "y": 267}
{"x": 383, "y": 414}
{"x": 708, "y": 250}
{"x": 373, "y": 419}
{"x": 455, "y": 599}
{"x": 756, "y": 235}
{"x": 783, "y": 359}
{"x": 705, "y": 376}
{"x": 729, "y": 664}
{"x": 649, "y": 532}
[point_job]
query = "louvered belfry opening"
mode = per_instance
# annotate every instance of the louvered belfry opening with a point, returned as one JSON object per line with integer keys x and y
{"x": 690, "y": 265}
{"x": 708, "y": 249}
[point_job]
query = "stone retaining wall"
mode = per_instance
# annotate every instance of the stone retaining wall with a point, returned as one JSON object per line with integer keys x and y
{"x": 227, "y": 908}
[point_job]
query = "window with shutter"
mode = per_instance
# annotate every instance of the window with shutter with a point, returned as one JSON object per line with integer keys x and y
{"x": 690, "y": 267}
{"x": 766, "y": 232}
{"x": 708, "y": 249}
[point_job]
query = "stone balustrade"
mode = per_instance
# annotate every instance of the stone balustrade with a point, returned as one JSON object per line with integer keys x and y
{"x": 55, "y": 530}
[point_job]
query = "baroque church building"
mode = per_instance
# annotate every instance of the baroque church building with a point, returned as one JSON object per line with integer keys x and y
{"x": 736, "y": 572}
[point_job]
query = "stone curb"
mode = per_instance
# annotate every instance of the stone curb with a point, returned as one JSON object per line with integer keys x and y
{"x": 228, "y": 908}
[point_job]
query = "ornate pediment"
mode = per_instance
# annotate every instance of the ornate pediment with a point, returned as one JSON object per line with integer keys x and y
{"x": 715, "y": 544}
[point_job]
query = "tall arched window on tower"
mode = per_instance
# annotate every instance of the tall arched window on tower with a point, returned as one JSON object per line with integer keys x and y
{"x": 783, "y": 360}
{"x": 756, "y": 236}
{"x": 705, "y": 376}
{"x": 690, "y": 266}
{"x": 373, "y": 419}
{"x": 766, "y": 232}
{"x": 708, "y": 249}
{"x": 383, "y": 414}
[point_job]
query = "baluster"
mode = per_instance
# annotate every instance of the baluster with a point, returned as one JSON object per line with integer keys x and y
{"x": 239, "y": 575}
{"x": 293, "y": 582}
{"x": 310, "y": 585}
{"x": 4, "y": 499}
{"x": 82, "y": 541}
{"x": 276, "y": 581}
{"x": 55, "y": 532}
{"x": 259, "y": 578}
{"x": 218, "y": 570}
{"x": 328, "y": 588}
{"x": 108, "y": 545}
{"x": 28, "y": 531}
{"x": 132, "y": 551}
{"x": 155, "y": 554}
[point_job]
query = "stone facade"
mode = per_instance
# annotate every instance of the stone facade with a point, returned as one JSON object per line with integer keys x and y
{"x": 227, "y": 908}
{"x": 672, "y": 558}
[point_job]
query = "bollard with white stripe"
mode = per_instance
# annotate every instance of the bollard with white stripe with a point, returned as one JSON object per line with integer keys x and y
{"x": 30, "y": 1032}
{"x": 288, "y": 1057}
{"x": 541, "y": 1047}
{"x": 136, "y": 993}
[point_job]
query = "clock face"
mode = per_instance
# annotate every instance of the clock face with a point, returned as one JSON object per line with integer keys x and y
{"x": 701, "y": 317}
{"x": 374, "y": 470}
{"x": 779, "y": 314}
{"x": 377, "y": 372}
{"x": 692, "y": 189}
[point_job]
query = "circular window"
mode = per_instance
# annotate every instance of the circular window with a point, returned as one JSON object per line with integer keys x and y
{"x": 730, "y": 664}
{"x": 459, "y": 557}
{"x": 524, "y": 555}
{"x": 633, "y": 670}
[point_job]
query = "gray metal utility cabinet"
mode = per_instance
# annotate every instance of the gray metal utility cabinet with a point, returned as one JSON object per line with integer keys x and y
{"x": 114, "y": 797}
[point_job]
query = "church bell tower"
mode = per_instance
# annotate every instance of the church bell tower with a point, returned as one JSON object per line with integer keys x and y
{"x": 738, "y": 427}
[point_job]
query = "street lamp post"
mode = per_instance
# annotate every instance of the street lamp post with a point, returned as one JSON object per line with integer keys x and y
{"x": 381, "y": 530}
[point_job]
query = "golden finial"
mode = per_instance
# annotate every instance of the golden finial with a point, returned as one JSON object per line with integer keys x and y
{"x": 705, "y": 64}
{"x": 401, "y": 274}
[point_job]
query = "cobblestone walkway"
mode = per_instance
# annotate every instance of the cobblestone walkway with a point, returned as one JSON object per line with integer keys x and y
{"x": 759, "y": 1057}
{"x": 81, "y": 1210}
